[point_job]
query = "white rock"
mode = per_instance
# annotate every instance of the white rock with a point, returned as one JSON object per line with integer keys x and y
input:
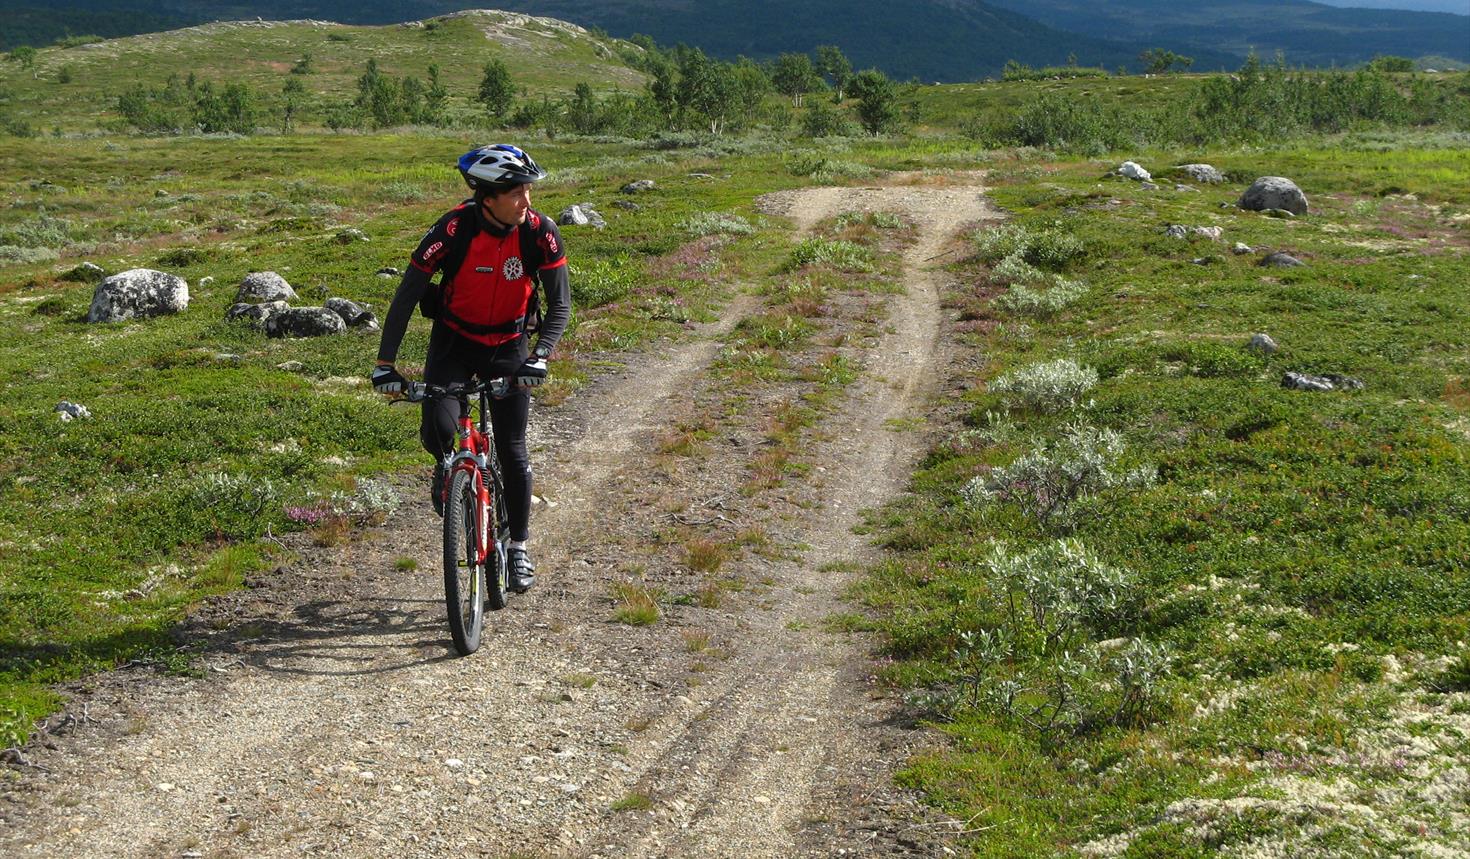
{"x": 1133, "y": 170}
{"x": 138, "y": 292}
{"x": 260, "y": 287}
{"x": 72, "y": 411}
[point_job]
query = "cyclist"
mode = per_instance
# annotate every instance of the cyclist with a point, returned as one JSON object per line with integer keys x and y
{"x": 492, "y": 249}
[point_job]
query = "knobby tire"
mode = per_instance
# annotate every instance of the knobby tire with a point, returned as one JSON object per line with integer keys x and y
{"x": 464, "y": 576}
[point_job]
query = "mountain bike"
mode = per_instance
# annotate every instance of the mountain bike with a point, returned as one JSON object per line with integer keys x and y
{"x": 476, "y": 529}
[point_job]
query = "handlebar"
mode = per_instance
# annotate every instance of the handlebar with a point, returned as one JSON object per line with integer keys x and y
{"x": 417, "y": 392}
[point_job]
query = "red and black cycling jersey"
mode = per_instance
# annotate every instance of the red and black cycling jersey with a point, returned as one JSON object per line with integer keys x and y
{"x": 487, "y": 285}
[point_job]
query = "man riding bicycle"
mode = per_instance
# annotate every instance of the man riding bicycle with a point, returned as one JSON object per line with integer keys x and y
{"x": 492, "y": 250}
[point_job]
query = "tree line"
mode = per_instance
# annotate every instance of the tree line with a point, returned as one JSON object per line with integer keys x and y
{"x": 686, "y": 90}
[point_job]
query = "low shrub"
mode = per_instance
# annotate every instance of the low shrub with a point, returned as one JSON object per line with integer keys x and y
{"x": 1052, "y": 247}
{"x": 596, "y": 282}
{"x": 1048, "y": 482}
{"x": 716, "y": 223}
{"x": 1048, "y": 388}
{"x": 841, "y": 255}
{"x": 1022, "y": 300}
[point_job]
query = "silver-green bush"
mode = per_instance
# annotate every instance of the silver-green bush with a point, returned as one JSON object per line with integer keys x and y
{"x": 1050, "y": 387}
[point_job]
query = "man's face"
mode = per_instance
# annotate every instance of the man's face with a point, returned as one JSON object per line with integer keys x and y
{"x": 509, "y": 207}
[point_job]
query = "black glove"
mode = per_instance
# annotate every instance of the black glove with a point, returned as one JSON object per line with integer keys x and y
{"x": 532, "y": 373}
{"x": 387, "y": 380}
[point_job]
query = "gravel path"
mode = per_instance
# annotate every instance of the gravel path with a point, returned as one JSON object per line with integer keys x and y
{"x": 331, "y": 719}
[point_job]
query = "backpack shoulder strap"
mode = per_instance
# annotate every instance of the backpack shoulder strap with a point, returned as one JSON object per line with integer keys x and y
{"x": 531, "y": 259}
{"x": 459, "y": 243}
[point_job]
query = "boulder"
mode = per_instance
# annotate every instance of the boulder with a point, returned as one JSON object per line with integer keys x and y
{"x": 71, "y": 411}
{"x": 389, "y": 271}
{"x": 638, "y": 186}
{"x": 1211, "y": 233}
{"x": 304, "y": 322}
{"x": 1241, "y": 248}
{"x": 1203, "y": 173}
{"x": 138, "y": 292}
{"x": 1177, "y": 231}
{"x": 1133, "y": 170}
{"x": 1274, "y": 192}
{"x": 206, "y": 280}
{"x": 255, "y": 314}
{"x": 264, "y": 286}
{"x": 594, "y": 217}
{"x": 354, "y": 314}
{"x": 1279, "y": 259}
{"x": 350, "y": 235}
{"x": 629, "y": 205}
{"x": 1262, "y": 344}
{"x": 582, "y": 214}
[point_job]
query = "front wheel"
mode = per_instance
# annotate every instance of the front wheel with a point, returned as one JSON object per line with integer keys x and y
{"x": 464, "y": 575}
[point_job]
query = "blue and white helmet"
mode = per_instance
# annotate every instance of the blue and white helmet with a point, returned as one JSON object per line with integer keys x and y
{"x": 498, "y": 166}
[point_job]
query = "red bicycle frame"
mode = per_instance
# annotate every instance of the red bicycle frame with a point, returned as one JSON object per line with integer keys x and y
{"x": 472, "y": 445}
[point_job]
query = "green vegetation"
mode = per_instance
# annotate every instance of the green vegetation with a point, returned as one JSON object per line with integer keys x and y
{"x": 633, "y": 802}
{"x": 634, "y": 604}
{"x": 1160, "y": 604}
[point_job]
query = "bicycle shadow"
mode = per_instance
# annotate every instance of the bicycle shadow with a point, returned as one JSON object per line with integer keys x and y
{"x": 343, "y": 638}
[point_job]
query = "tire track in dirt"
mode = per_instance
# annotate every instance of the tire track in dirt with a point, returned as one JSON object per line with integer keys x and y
{"x": 339, "y": 725}
{"x": 744, "y": 785}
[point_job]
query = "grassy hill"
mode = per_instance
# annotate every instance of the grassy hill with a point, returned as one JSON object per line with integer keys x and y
{"x": 929, "y": 39}
{"x": 76, "y": 87}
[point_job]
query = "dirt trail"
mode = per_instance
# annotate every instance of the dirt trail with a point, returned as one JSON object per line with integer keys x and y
{"x": 339, "y": 725}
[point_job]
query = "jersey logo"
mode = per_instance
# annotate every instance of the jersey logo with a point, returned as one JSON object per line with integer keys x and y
{"x": 513, "y": 270}
{"x": 550, "y": 243}
{"x": 451, "y": 226}
{"x": 433, "y": 249}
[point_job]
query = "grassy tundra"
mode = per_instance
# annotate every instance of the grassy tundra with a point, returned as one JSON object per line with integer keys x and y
{"x": 1160, "y": 605}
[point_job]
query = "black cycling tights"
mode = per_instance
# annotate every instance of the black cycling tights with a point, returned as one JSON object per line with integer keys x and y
{"x": 453, "y": 363}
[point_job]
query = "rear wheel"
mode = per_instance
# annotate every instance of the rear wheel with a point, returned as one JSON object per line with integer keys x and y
{"x": 464, "y": 576}
{"x": 497, "y": 576}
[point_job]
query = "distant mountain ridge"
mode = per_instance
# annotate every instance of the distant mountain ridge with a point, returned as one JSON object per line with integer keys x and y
{"x": 1454, "y": 7}
{"x": 933, "y": 40}
{"x": 1307, "y": 33}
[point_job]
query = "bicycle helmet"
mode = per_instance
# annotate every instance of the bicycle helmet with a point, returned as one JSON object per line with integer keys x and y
{"x": 498, "y": 166}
